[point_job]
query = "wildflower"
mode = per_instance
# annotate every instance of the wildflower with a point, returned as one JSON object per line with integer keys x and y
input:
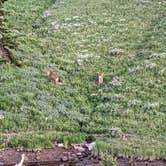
{"x": 135, "y": 102}
{"x": 1, "y": 117}
{"x": 150, "y": 65}
{"x": 46, "y": 14}
{"x": 157, "y": 56}
{"x": 150, "y": 106}
{"x": 116, "y": 82}
{"x": 115, "y": 52}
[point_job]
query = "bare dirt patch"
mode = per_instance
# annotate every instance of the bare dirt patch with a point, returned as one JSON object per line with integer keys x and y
{"x": 70, "y": 156}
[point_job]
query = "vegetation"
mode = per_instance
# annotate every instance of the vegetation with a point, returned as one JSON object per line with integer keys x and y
{"x": 76, "y": 39}
{"x": 7, "y": 38}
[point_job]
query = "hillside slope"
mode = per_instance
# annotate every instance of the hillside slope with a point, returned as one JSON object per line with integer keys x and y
{"x": 76, "y": 39}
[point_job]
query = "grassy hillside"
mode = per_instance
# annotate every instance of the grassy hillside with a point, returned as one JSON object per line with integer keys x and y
{"x": 76, "y": 39}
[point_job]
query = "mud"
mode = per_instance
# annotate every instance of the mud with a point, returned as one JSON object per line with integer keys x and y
{"x": 59, "y": 155}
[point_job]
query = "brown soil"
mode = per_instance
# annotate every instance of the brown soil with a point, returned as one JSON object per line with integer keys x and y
{"x": 70, "y": 156}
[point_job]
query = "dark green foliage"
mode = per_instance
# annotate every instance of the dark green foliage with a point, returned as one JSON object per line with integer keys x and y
{"x": 6, "y": 37}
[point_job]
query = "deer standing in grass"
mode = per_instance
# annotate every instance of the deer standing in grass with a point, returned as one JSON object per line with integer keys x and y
{"x": 53, "y": 77}
{"x": 100, "y": 78}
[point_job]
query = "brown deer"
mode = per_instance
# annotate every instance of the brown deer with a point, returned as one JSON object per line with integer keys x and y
{"x": 53, "y": 77}
{"x": 100, "y": 78}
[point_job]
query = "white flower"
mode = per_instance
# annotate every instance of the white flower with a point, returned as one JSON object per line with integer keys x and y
{"x": 157, "y": 56}
{"x": 46, "y": 14}
{"x": 115, "y": 52}
{"x": 67, "y": 19}
{"x": 150, "y": 106}
{"x": 116, "y": 82}
{"x": 150, "y": 65}
{"x": 134, "y": 102}
{"x": 1, "y": 117}
{"x": 54, "y": 23}
{"x": 75, "y": 17}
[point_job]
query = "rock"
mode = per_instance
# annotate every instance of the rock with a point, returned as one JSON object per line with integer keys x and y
{"x": 90, "y": 146}
{"x": 79, "y": 154}
{"x": 60, "y": 145}
{"x": 20, "y": 150}
{"x": 145, "y": 158}
{"x": 34, "y": 150}
{"x": 39, "y": 150}
{"x": 64, "y": 159}
{"x": 79, "y": 148}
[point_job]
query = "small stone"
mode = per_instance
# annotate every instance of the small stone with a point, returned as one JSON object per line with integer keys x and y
{"x": 145, "y": 158}
{"x": 34, "y": 150}
{"x": 79, "y": 148}
{"x": 21, "y": 150}
{"x": 90, "y": 146}
{"x": 39, "y": 149}
{"x": 64, "y": 159}
{"x": 60, "y": 145}
{"x": 79, "y": 154}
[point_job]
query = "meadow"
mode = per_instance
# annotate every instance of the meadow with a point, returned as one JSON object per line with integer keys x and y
{"x": 76, "y": 39}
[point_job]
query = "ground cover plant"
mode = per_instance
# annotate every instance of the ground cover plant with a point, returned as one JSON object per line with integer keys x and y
{"x": 76, "y": 39}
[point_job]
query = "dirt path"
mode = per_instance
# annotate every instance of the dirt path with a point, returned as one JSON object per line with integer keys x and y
{"x": 76, "y": 155}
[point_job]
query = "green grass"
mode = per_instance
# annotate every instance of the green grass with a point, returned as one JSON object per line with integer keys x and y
{"x": 76, "y": 39}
